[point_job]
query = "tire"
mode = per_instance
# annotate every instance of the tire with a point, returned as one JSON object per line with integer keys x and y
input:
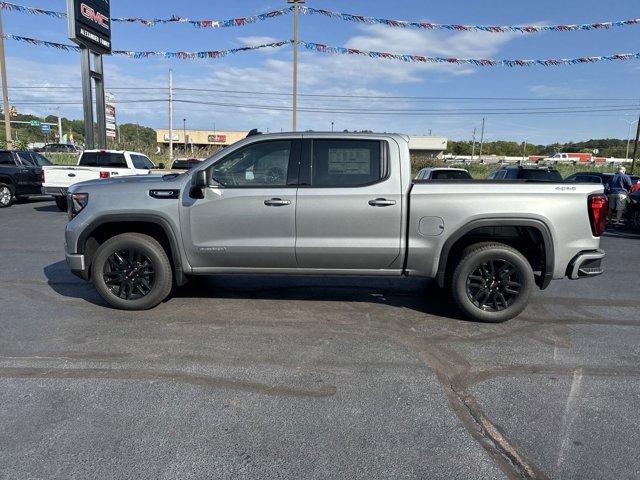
{"x": 6, "y": 195}
{"x": 131, "y": 271}
{"x": 492, "y": 282}
{"x": 633, "y": 220}
{"x": 61, "y": 203}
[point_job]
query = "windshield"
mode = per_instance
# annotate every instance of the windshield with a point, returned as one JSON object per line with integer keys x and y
{"x": 450, "y": 175}
{"x": 546, "y": 175}
{"x": 103, "y": 159}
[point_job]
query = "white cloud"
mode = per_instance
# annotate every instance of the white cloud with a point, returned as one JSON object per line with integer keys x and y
{"x": 318, "y": 73}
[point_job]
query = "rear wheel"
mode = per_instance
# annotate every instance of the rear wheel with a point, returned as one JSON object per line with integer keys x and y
{"x": 492, "y": 282}
{"x": 132, "y": 272}
{"x": 61, "y": 203}
{"x": 6, "y": 195}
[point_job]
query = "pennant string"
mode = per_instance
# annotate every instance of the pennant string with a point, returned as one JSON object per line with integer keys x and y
{"x": 327, "y": 49}
{"x": 347, "y": 17}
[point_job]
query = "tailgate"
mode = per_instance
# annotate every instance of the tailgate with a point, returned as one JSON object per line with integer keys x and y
{"x": 67, "y": 176}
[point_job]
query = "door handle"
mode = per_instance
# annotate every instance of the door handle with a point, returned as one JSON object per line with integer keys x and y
{"x": 381, "y": 202}
{"x": 277, "y": 202}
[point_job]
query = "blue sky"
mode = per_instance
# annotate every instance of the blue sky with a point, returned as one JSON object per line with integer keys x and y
{"x": 270, "y": 71}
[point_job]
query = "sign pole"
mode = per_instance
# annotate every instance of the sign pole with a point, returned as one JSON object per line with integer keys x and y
{"x": 5, "y": 90}
{"x": 170, "y": 115}
{"x": 100, "y": 103}
{"x": 87, "y": 97}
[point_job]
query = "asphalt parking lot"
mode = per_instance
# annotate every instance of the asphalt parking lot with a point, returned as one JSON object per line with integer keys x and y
{"x": 310, "y": 378}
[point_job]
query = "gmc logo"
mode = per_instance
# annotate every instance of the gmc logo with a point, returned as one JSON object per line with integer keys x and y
{"x": 96, "y": 17}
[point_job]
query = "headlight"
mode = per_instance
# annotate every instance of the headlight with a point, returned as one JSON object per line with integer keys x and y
{"x": 76, "y": 202}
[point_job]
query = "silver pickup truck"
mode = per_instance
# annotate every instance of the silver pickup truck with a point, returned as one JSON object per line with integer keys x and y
{"x": 332, "y": 204}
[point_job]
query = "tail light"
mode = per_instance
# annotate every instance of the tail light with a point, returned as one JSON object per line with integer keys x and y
{"x": 598, "y": 209}
{"x": 105, "y": 174}
{"x": 41, "y": 176}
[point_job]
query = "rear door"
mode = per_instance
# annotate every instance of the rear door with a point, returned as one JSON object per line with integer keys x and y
{"x": 349, "y": 205}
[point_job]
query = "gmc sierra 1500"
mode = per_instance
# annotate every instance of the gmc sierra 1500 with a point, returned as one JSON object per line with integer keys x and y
{"x": 332, "y": 204}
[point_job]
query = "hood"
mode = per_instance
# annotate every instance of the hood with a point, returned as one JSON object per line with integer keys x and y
{"x": 126, "y": 180}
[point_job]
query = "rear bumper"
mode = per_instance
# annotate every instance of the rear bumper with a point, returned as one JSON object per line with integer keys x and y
{"x": 586, "y": 264}
{"x": 55, "y": 191}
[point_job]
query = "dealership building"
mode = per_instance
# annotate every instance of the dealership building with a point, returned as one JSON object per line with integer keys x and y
{"x": 422, "y": 147}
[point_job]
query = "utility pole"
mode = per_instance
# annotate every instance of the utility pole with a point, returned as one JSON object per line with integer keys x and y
{"x": 59, "y": 127}
{"x": 481, "y": 139}
{"x": 170, "y": 115}
{"x": 5, "y": 90}
{"x": 630, "y": 123}
{"x": 294, "y": 106}
{"x": 473, "y": 144}
{"x": 184, "y": 133}
{"x": 524, "y": 149}
{"x": 635, "y": 147}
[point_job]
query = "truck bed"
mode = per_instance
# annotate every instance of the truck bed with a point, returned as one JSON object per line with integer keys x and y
{"x": 439, "y": 209}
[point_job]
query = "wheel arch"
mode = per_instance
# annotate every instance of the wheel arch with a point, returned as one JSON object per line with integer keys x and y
{"x": 460, "y": 238}
{"x": 109, "y": 226}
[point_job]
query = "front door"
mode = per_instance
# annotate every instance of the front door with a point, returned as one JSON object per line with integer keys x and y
{"x": 246, "y": 219}
{"x": 349, "y": 213}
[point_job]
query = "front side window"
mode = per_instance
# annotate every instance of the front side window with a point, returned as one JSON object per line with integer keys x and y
{"x": 346, "y": 163}
{"x": 6, "y": 158}
{"x": 103, "y": 159}
{"x": 141, "y": 162}
{"x": 263, "y": 164}
{"x": 40, "y": 160}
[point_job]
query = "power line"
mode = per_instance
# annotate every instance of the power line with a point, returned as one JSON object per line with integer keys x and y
{"x": 355, "y": 96}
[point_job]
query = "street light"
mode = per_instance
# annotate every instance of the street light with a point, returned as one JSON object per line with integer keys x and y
{"x": 332, "y": 126}
{"x": 630, "y": 123}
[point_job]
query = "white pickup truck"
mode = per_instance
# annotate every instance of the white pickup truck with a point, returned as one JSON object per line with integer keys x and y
{"x": 92, "y": 165}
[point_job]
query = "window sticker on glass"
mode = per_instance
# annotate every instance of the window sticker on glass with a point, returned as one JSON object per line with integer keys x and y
{"x": 349, "y": 161}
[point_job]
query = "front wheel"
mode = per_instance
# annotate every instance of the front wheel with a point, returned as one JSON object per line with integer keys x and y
{"x": 131, "y": 271}
{"x": 61, "y": 203}
{"x": 492, "y": 282}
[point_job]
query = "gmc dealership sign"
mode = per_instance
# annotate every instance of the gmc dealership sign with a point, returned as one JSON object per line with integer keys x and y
{"x": 90, "y": 24}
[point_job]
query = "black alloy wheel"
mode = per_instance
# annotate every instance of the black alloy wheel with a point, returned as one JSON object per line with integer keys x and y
{"x": 494, "y": 285}
{"x": 129, "y": 274}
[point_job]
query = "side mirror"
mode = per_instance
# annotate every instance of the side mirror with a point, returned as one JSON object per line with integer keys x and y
{"x": 161, "y": 166}
{"x": 198, "y": 183}
{"x": 200, "y": 179}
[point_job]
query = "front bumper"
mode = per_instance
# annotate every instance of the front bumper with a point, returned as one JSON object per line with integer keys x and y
{"x": 77, "y": 264}
{"x": 55, "y": 191}
{"x": 586, "y": 264}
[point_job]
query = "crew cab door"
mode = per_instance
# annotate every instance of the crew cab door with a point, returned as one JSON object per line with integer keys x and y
{"x": 349, "y": 206}
{"x": 246, "y": 219}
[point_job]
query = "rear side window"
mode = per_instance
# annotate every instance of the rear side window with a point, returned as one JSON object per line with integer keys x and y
{"x": 450, "y": 175}
{"x": 103, "y": 159}
{"x": 346, "y": 163}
